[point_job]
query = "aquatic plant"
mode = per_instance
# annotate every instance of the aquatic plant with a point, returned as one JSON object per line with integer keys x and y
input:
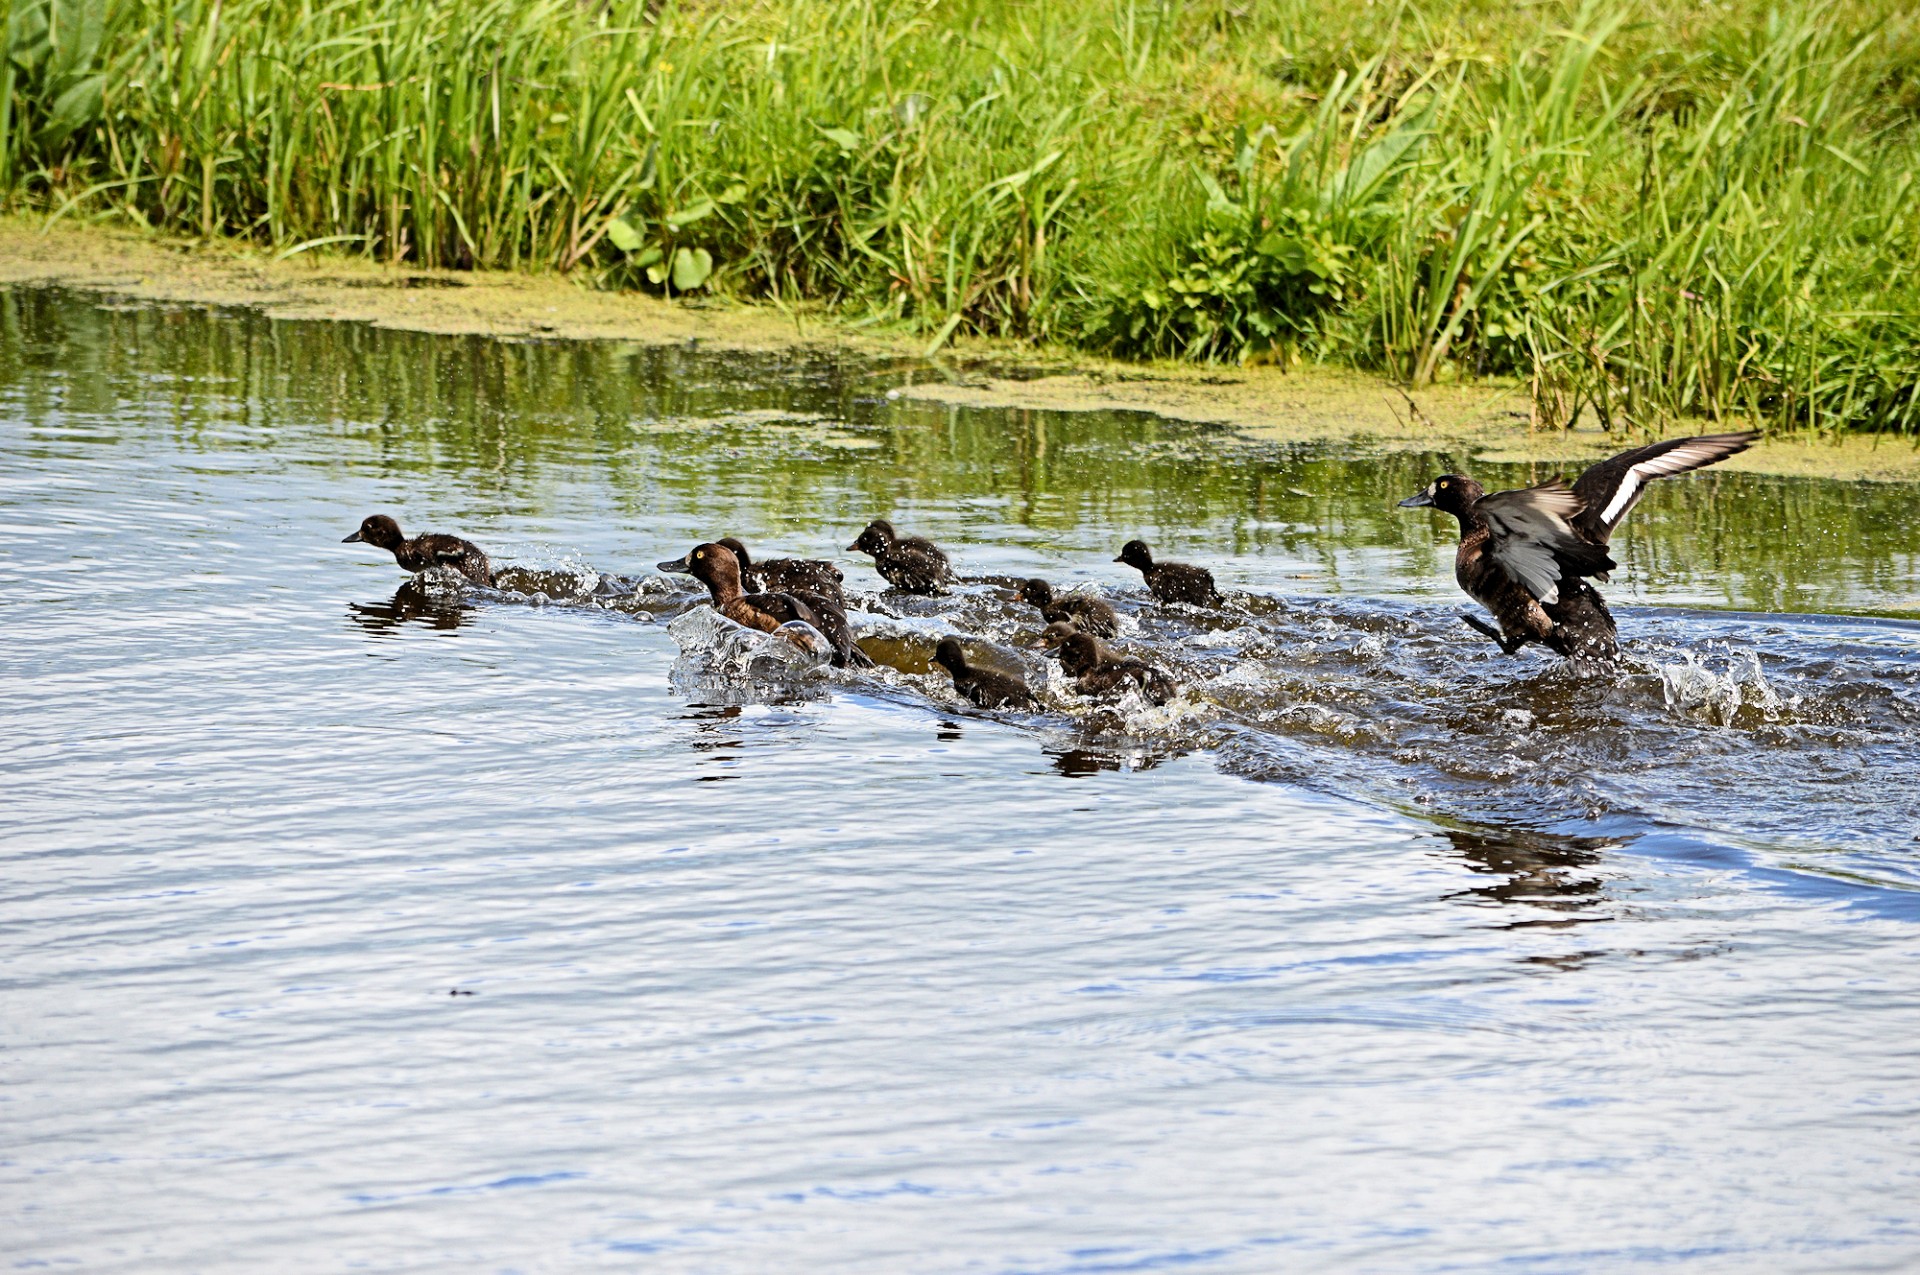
{"x": 1643, "y": 213}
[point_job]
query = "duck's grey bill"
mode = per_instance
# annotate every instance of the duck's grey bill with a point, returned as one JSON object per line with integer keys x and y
{"x": 353, "y": 539}
{"x": 1417, "y": 501}
{"x": 682, "y": 566}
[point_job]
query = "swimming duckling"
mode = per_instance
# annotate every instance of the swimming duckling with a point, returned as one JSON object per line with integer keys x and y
{"x": 989, "y": 688}
{"x": 715, "y": 566}
{"x": 1170, "y": 581}
{"x": 421, "y": 552}
{"x": 1524, "y": 554}
{"x": 1086, "y": 611}
{"x": 1055, "y": 635}
{"x": 787, "y": 575}
{"x": 905, "y": 562}
{"x": 1098, "y": 669}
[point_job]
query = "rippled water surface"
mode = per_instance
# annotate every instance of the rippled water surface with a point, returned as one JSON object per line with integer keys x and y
{"x": 353, "y": 921}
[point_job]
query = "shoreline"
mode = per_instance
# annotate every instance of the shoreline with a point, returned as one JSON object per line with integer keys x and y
{"x": 1488, "y": 422}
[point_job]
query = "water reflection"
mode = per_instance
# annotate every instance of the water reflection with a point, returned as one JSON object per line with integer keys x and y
{"x": 1559, "y": 874}
{"x": 411, "y": 604}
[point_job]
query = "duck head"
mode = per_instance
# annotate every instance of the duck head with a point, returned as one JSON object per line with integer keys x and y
{"x": 1135, "y": 554}
{"x": 948, "y": 655}
{"x": 712, "y": 564}
{"x": 1449, "y": 493}
{"x": 379, "y": 531}
{"x": 1038, "y": 592}
{"x": 875, "y": 539}
{"x": 1055, "y": 636}
{"x": 1080, "y": 654}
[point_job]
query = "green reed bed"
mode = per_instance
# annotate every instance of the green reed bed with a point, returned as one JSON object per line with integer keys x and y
{"x": 1644, "y": 211}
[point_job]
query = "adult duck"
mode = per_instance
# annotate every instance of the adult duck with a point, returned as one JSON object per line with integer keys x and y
{"x": 421, "y": 552}
{"x": 911, "y": 563}
{"x": 787, "y": 575}
{"x": 1526, "y": 555}
{"x": 989, "y": 688}
{"x": 1170, "y": 581}
{"x": 714, "y": 565}
{"x": 1081, "y": 609}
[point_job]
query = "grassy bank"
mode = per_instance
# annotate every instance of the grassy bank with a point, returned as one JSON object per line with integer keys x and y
{"x": 1643, "y": 211}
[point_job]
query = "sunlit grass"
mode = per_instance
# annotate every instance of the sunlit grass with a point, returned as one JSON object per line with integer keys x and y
{"x": 1645, "y": 212}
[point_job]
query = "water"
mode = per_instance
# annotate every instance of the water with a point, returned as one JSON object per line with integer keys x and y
{"x": 357, "y": 922}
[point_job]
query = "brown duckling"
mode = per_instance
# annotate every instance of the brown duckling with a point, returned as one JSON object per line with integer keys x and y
{"x": 905, "y": 562}
{"x": 1170, "y": 581}
{"x": 1098, "y": 669}
{"x": 715, "y": 566}
{"x": 1526, "y": 555}
{"x": 421, "y": 552}
{"x": 989, "y": 688}
{"x": 787, "y": 575}
{"x": 1087, "y": 612}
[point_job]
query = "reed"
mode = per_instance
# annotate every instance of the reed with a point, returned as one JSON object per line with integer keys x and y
{"x": 1645, "y": 215}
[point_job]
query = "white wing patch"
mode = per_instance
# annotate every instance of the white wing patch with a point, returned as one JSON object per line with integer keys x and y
{"x": 1526, "y": 527}
{"x": 1690, "y": 456}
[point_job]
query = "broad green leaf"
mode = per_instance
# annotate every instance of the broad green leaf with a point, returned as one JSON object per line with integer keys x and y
{"x": 691, "y": 213}
{"x": 691, "y": 266}
{"x": 623, "y": 234}
{"x": 845, "y": 139}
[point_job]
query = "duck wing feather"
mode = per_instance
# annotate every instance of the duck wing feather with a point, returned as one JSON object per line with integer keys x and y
{"x": 1531, "y": 537}
{"x": 1610, "y": 489}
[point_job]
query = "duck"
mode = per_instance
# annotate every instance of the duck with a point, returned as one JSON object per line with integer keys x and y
{"x": 1084, "y": 610}
{"x": 422, "y": 552}
{"x": 787, "y": 575}
{"x": 989, "y": 688}
{"x": 909, "y": 563}
{"x": 1098, "y": 669}
{"x": 1170, "y": 581}
{"x": 1526, "y": 555}
{"x": 715, "y": 566}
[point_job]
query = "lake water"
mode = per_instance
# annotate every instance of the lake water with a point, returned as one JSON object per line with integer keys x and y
{"x": 350, "y": 922}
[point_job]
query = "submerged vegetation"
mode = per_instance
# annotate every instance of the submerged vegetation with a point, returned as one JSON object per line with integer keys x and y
{"x": 1644, "y": 211}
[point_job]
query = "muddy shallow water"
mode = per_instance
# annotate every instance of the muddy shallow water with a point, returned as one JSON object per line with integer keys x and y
{"x": 354, "y": 920}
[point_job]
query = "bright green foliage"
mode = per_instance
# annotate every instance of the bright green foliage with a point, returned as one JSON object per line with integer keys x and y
{"x": 1645, "y": 212}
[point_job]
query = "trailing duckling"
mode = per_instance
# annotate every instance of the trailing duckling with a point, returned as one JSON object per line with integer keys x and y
{"x": 715, "y": 566}
{"x": 1098, "y": 669}
{"x": 911, "y": 563}
{"x": 1526, "y": 555}
{"x": 1170, "y": 581}
{"x": 788, "y": 575}
{"x": 1084, "y": 610}
{"x": 422, "y": 552}
{"x": 989, "y": 688}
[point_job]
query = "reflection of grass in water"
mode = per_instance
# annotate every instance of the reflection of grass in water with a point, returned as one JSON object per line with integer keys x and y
{"x": 674, "y": 431}
{"x": 1642, "y": 212}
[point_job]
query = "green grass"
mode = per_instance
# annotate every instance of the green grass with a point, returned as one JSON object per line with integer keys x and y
{"x": 1646, "y": 211}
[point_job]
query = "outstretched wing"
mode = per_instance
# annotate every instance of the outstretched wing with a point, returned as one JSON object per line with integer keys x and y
{"x": 1532, "y": 538}
{"x": 1613, "y": 487}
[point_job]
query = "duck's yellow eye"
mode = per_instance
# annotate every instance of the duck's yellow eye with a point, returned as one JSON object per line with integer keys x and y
{"x": 1445, "y": 483}
{"x": 700, "y": 553}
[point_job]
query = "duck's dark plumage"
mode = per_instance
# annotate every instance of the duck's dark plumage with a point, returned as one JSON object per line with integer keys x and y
{"x": 1170, "y": 581}
{"x": 787, "y": 575}
{"x": 1083, "y": 610}
{"x": 1098, "y": 669}
{"x": 1526, "y": 555}
{"x": 905, "y": 562}
{"x": 989, "y": 688}
{"x": 421, "y": 552}
{"x": 715, "y": 566}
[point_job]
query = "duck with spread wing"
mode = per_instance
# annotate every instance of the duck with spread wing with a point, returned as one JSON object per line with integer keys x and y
{"x": 1526, "y": 555}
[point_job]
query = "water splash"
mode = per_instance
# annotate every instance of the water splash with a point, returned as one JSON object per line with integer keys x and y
{"x": 1693, "y": 688}
{"x": 716, "y": 645}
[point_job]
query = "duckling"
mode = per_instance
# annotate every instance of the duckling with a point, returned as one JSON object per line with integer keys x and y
{"x": 1525, "y": 555}
{"x": 787, "y": 575}
{"x": 1170, "y": 581}
{"x": 421, "y": 552}
{"x": 715, "y": 566}
{"x": 1098, "y": 669}
{"x": 905, "y": 562}
{"x": 989, "y": 688}
{"x": 1086, "y": 611}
